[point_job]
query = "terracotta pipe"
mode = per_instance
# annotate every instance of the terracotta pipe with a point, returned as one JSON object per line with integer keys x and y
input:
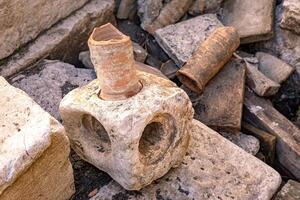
{"x": 112, "y": 56}
{"x": 209, "y": 58}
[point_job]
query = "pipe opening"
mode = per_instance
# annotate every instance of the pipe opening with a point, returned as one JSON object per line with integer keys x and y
{"x": 107, "y": 33}
{"x": 189, "y": 83}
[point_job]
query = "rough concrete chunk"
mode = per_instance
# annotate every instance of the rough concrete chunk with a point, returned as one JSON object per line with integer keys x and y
{"x": 50, "y": 81}
{"x": 180, "y": 40}
{"x": 291, "y": 15}
{"x": 274, "y": 68}
{"x": 262, "y": 114}
{"x": 63, "y": 41}
{"x": 247, "y": 142}
{"x": 252, "y": 19}
{"x": 221, "y": 104}
{"x": 290, "y": 191}
{"x": 21, "y": 21}
{"x": 34, "y": 150}
{"x": 213, "y": 168}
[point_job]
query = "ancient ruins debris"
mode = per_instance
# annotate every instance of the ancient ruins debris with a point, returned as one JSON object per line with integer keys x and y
{"x": 291, "y": 15}
{"x": 155, "y": 14}
{"x": 221, "y": 104}
{"x": 133, "y": 140}
{"x": 257, "y": 81}
{"x": 209, "y": 58}
{"x": 127, "y": 8}
{"x": 213, "y": 168}
{"x": 259, "y": 112}
{"x": 252, "y": 19}
{"x": 140, "y": 54}
{"x": 274, "y": 68}
{"x": 180, "y": 40}
{"x": 205, "y": 6}
{"x": 34, "y": 150}
{"x": 290, "y": 191}
{"x": 267, "y": 141}
{"x": 60, "y": 38}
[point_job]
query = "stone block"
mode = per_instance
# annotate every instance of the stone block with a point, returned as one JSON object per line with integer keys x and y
{"x": 291, "y": 15}
{"x": 21, "y": 21}
{"x": 50, "y": 81}
{"x": 290, "y": 191}
{"x": 180, "y": 40}
{"x": 135, "y": 140}
{"x": 221, "y": 104}
{"x": 63, "y": 41}
{"x": 274, "y": 68}
{"x": 213, "y": 168}
{"x": 205, "y": 6}
{"x": 259, "y": 112}
{"x": 252, "y": 19}
{"x": 34, "y": 150}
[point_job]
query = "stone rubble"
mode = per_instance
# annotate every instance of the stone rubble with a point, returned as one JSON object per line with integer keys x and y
{"x": 34, "y": 150}
{"x": 290, "y": 191}
{"x": 291, "y": 16}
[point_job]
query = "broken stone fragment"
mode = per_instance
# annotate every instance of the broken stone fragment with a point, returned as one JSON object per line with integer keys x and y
{"x": 34, "y": 150}
{"x": 131, "y": 124}
{"x": 21, "y": 22}
{"x": 291, "y": 15}
{"x": 252, "y": 19}
{"x": 157, "y": 14}
{"x": 213, "y": 168}
{"x": 140, "y": 54}
{"x": 267, "y": 141}
{"x": 260, "y": 113}
{"x": 169, "y": 69}
{"x": 181, "y": 40}
{"x": 274, "y": 68}
{"x": 209, "y": 58}
{"x": 257, "y": 81}
{"x": 248, "y": 143}
{"x": 126, "y": 8}
{"x": 205, "y": 6}
{"x": 68, "y": 36}
{"x": 85, "y": 59}
{"x": 50, "y": 81}
{"x": 221, "y": 104}
{"x": 290, "y": 191}
{"x": 285, "y": 44}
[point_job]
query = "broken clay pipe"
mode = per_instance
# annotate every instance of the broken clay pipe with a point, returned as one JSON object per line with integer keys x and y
{"x": 209, "y": 58}
{"x": 112, "y": 56}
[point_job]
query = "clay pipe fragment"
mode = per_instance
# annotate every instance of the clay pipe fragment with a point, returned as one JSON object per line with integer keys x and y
{"x": 209, "y": 58}
{"x": 112, "y": 56}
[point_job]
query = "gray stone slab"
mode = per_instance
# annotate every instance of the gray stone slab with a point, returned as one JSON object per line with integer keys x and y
{"x": 22, "y": 21}
{"x": 63, "y": 41}
{"x": 50, "y": 81}
{"x": 252, "y": 19}
{"x": 180, "y": 40}
{"x": 213, "y": 168}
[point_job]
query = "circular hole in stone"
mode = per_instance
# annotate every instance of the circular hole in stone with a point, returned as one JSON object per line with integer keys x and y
{"x": 96, "y": 134}
{"x": 157, "y": 138}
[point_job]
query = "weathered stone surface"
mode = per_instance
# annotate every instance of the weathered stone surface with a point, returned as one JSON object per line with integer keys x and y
{"x": 205, "y": 6}
{"x": 140, "y": 54}
{"x": 290, "y": 191}
{"x": 126, "y": 8}
{"x": 260, "y": 113}
{"x": 85, "y": 59}
{"x": 169, "y": 69}
{"x": 274, "y": 68}
{"x": 22, "y": 21}
{"x": 180, "y": 40}
{"x": 291, "y": 15}
{"x": 63, "y": 41}
{"x": 248, "y": 143}
{"x": 50, "y": 81}
{"x": 34, "y": 150}
{"x": 252, "y": 19}
{"x": 221, "y": 104}
{"x": 135, "y": 140}
{"x": 285, "y": 44}
{"x": 257, "y": 81}
{"x": 267, "y": 141}
{"x": 155, "y": 14}
{"x": 213, "y": 168}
